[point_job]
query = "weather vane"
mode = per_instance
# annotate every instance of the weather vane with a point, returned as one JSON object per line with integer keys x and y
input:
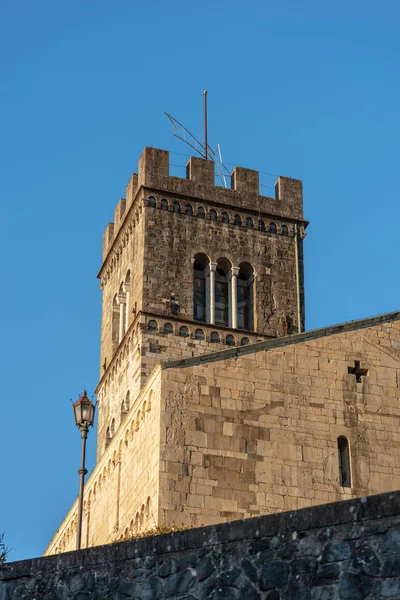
{"x": 205, "y": 151}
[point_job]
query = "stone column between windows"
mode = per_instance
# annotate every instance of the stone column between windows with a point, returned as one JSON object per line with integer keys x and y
{"x": 121, "y": 331}
{"x": 232, "y": 278}
{"x": 211, "y": 270}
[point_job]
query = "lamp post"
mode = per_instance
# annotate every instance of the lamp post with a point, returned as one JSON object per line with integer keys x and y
{"x": 84, "y": 416}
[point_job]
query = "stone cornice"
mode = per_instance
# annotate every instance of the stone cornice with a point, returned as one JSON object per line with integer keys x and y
{"x": 280, "y": 342}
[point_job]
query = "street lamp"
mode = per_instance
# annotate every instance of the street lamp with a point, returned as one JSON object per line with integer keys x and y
{"x": 84, "y": 416}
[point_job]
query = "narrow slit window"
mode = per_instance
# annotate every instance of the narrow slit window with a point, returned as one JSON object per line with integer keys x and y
{"x": 344, "y": 462}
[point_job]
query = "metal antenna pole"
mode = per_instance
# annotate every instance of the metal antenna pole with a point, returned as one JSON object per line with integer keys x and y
{"x": 82, "y": 472}
{"x": 205, "y": 125}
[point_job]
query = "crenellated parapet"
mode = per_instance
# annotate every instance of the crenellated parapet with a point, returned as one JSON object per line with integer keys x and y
{"x": 199, "y": 184}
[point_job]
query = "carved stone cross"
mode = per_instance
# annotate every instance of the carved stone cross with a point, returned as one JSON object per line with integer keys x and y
{"x": 357, "y": 371}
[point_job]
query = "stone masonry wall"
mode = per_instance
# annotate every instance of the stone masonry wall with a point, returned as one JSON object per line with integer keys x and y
{"x": 255, "y": 430}
{"x": 173, "y": 239}
{"x": 121, "y": 494}
{"x": 155, "y": 248}
{"x": 348, "y": 550}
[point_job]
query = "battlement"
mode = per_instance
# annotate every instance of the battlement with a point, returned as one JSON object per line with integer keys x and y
{"x": 244, "y": 194}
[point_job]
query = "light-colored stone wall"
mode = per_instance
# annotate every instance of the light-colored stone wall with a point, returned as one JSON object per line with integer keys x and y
{"x": 135, "y": 358}
{"x": 258, "y": 433}
{"x": 121, "y": 494}
{"x": 248, "y": 431}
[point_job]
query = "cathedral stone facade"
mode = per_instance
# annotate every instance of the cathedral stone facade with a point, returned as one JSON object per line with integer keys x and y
{"x": 213, "y": 403}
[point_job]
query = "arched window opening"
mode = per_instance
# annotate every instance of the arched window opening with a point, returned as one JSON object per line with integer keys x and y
{"x": 152, "y": 325}
{"x": 123, "y": 410}
{"x": 244, "y": 341}
{"x": 119, "y": 317}
{"x": 189, "y": 210}
{"x": 176, "y": 207}
{"x": 222, "y": 292}
{"x": 225, "y": 217}
{"x": 261, "y": 225}
{"x": 168, "y": 328}
{"x": 284, "y": 230}
{"x": 213, "y": 215}
{"x": 199, "y": 334}
{"x": 200, "y": 287}
{"x": 201, "y": 213}
{"x": 344, "y": 461}
{"x": 245, "y": 297}
{"x": 112, "y": 428}
{"x": 249, "y": 223}
{"x": 164, "y": 205}
{"x": 237, "y": 220}
{"x": 127, "y": 288}
{"x": 108, "y": 437}
{"x": 272, "y": 228}
{"x": 214, "y": 337}
{"x": 230, "y": 340}
{"x": 184, "y": 331}
{"x": 115, "y": 320}
{"x": 151, "y": 202}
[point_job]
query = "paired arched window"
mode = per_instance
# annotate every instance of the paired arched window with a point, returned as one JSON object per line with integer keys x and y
{"x": 344, "y": 461}
{"x": 214, "y": 337}
{"x": 184, "y": 331}
{"x": 201, "y": 263}
{"x": 189, "y": 210}
{"x": 121, "y": 310}
{"x": 164, "y": 205}
{"x": 272, "y": 228}
{"x": 245, "y": 297}
{"x": 201, "y": 213}
{"x": 176, "y": 207}
{"x": 151, "y": 202}
{"x": 218, "y": 288}
{"x": 261, "y": 225}
{"x": 222, "y": 292}
{"x": 237, "y": 220}
{"x": 199, "y": 334}
{"x": 225, "y": 217}
{"x": 244, "y": 341}
{"x": 213, "y": 215}
{"x": 249, "y": 223}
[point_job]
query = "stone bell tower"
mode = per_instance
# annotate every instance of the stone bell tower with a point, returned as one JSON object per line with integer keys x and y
{"x": 189, "y": 267}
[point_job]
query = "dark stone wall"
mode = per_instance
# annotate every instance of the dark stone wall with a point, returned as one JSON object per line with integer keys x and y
{"x": 346, "y": 550}
{"x": 173, "y": 239}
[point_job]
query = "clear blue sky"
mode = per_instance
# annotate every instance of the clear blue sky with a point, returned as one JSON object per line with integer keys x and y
{"x": 308, "y": 89}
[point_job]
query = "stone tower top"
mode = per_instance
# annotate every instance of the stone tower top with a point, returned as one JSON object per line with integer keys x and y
{"x": 153, "y": 173}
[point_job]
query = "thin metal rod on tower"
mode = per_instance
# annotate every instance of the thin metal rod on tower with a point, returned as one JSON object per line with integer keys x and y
{"x": 205, "y": 124}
